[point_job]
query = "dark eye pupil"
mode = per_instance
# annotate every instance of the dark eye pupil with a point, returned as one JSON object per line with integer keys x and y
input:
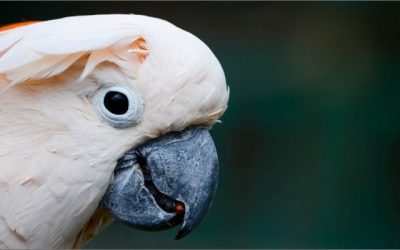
{"x": 116, "y": 102}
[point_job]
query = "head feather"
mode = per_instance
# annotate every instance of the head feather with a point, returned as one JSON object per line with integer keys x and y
{"x": 45, "y": 49}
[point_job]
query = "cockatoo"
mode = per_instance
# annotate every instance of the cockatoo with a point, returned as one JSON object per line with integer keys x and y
{"x": 103, "y": 117}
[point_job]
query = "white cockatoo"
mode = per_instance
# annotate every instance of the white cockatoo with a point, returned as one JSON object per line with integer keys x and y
{"x": 102, "y": 117}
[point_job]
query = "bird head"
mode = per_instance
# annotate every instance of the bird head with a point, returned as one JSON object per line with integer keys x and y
{"x": 109, "y": 111}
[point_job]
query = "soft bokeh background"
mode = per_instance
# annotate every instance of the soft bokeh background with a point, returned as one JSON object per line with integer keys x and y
{"x": 310, "y": 145}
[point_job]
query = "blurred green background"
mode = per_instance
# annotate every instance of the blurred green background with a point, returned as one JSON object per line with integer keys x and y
{"x": 310, "y": 145}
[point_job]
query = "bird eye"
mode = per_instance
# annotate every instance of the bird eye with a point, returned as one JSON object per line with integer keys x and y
{"x": 116, "y": 102}
{"x": 119, "y": 106}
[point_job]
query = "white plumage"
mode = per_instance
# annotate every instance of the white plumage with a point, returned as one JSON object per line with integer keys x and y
{"x": 56, "y": 154}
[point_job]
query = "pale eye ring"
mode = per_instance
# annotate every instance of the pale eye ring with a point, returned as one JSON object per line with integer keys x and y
{"x": 119, "y": 106}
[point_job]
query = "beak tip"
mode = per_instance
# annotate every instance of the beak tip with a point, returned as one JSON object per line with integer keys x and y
{"x": 182, "y": 233}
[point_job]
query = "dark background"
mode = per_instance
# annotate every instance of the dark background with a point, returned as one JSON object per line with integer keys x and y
{"x": 309, "y": 147}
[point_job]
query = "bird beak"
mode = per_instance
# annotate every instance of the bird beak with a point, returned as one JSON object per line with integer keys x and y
{"x": 165, "y": 182}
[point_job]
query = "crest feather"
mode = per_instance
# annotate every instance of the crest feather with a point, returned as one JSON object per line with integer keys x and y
{"x": 45, "y": 49}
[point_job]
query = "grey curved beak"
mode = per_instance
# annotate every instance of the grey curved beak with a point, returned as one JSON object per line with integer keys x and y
{"x": 165, "y": 182}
